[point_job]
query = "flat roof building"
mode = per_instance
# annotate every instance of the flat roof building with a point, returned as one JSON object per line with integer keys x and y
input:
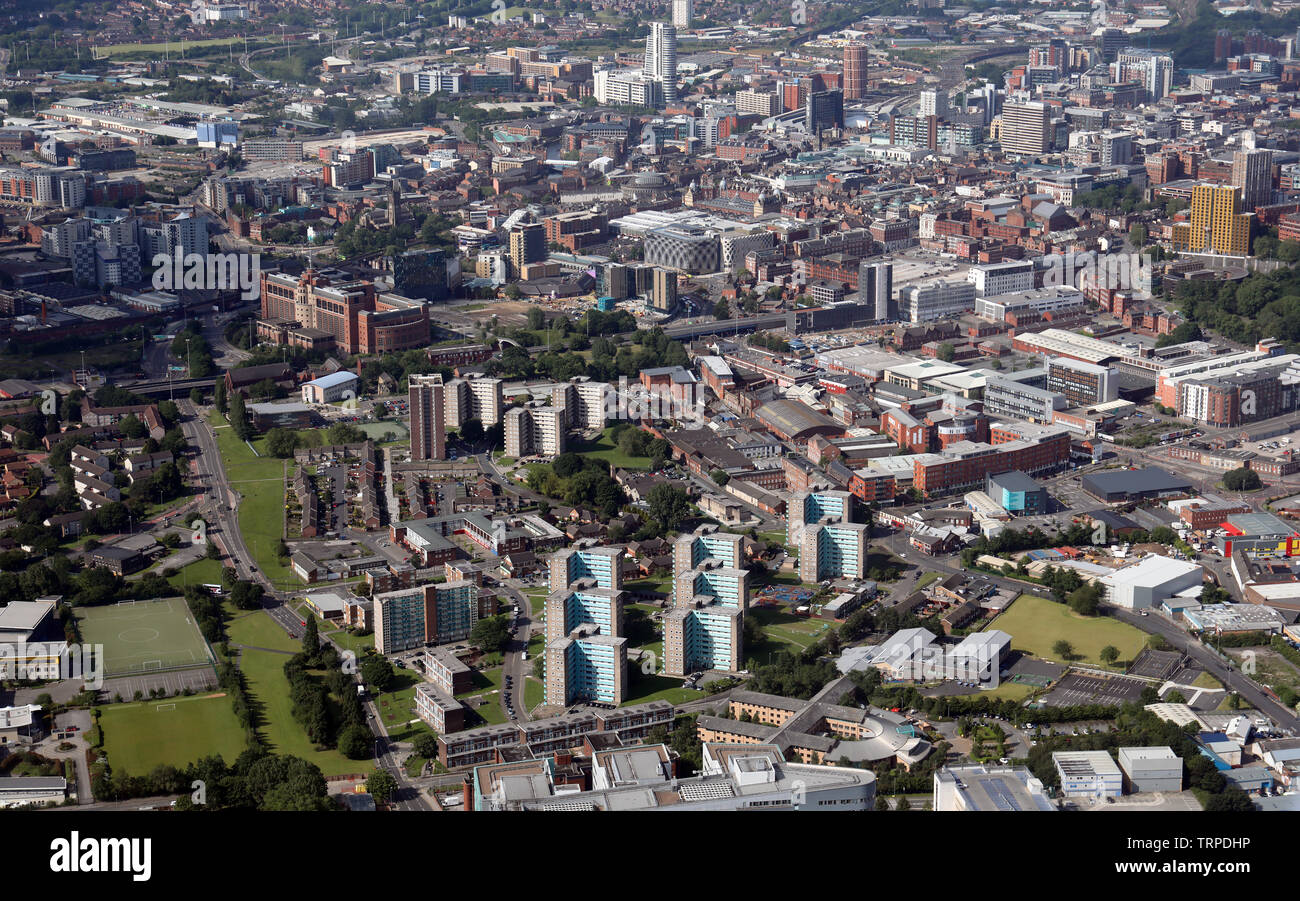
{"x": 983, "y": 788}
{"x": 1151, "y": 769}
{"x": 1116, "y": 486}
{"x": 1151, "y": 580}
{"x": 1088, "y": 774}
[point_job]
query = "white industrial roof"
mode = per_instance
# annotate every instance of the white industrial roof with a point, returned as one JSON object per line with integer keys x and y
{"x": 1152, "y": 572}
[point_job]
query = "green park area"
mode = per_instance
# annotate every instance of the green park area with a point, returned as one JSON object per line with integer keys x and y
{"x": 264, "y": 649}
{"x": 176, "y": 732}
{"x": 1036, "y": 624}
{"x": 534, "y": 693}
{"x": 485, "y": 697}
{"x": 260, "y": 479}
{"x": 782, "y": 628}
{"x": 397, "y": 707}
{"x": 380, "y": 431}
{"x": 200, "y": 572}
{"x": 643, "y": 688}
{"x": 606, "y": 448}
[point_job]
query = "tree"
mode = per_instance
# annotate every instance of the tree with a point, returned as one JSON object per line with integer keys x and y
{"x": 219, "y": 397}
{"x": 377, "y": 672}
{"x": 722, "y": 310}
{"x": 669, "y": 504}
{"x": 310, "y": 638}
{"x": 472, "y": 431}
{"x": 196, "y": 396}
{"x": 1109, "y": 654}
{"x": 381, "y": 786}
{"x": 946, "y": 352}
{"x": 720, "y": 477}
{"x": 536, "y": 319}
{"x": 1233, "y": 800}
{"x": 490, "y": 633}
{"x": 1137, "y": 235}
{"x": 903, "y": 803}
{"x": 425, "y": 745}
{"x": 1242, "y": 479}
{"x": 355, "y": 742}
{"x": 1085, "y": 600}
{"x": 246, "y": 595}
{"x": 132, "y": 427}
{"x": 281, "y": 442}
{"x": 239, "y": 419}
{"x": 1063, "y": 649}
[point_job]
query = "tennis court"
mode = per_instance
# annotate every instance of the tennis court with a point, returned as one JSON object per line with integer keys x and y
{"x": 144, "y": 636}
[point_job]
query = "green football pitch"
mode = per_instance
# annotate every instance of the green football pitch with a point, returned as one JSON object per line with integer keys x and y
{"x": 144, "y": 636}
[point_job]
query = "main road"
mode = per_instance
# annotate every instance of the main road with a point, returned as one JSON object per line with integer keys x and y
{"x": 221, "y": 500}
{"x": 223, "y": 507}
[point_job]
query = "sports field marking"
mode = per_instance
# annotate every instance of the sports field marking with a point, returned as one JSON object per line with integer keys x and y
{"x": 166, "y": 707}
{"x": 141, "y": 633}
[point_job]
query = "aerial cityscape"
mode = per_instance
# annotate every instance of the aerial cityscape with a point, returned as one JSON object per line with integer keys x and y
{"x": 604, "y": 406}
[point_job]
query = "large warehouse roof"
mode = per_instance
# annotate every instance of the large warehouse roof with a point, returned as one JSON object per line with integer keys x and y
{"x": 795, "y": 420}
{"x": 1151, "y": 480}
{"x": 1152, "y": 572}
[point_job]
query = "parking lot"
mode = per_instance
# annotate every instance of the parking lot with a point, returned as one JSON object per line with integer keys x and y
{"x": 1077, "y": 688}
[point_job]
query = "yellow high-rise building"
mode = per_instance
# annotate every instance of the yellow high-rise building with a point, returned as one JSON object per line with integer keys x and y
{"x": 1217, "y": 223}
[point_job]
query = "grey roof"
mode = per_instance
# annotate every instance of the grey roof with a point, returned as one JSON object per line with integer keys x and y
{"x": 1134, "y": 481}
{"x": 1014, "y": 480}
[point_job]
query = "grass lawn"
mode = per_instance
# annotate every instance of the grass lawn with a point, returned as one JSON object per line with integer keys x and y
{"x": 140, "y": 736}
{"x": 487, "y": 695}
{"x": 397, "y": 707}
{"x": 534, "y": 692}
{"x": 642, "y": 688}
{"x": 927, "y": 579}
{"x": 1035, "y": 624}
{"x": 200, "y": 572}
{"x": 377, "y": 430}
{"x": 1010, "y": 691}
{"x": 659, "y": 585}
{"x": 270, "y": 691}
{"x": 779, "y": 627}
{"x": 256, "y": 629}
{"x": 260, "y": 482}
{"x": 357, "y": 644}
{"x": 606, "y": 448}
{"x": 536, "y": 602}
{"x": 1205, "y": 680}
{"x": 261, "y": 522}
